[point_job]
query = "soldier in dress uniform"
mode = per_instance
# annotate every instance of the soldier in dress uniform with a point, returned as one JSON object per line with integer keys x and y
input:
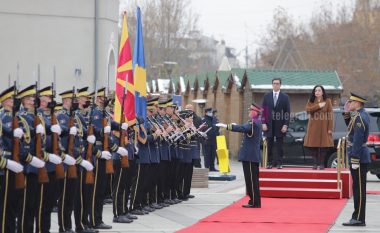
{"x": 72, "y": 157}
{"x": 8, "y": 194}
{"x": 131, "y": 171}
{"x": 101, "y": 155}
{"x": 209, "y": 145}
{"x": 27, "y": 116}
{"x": 357, "y": 120}
{"x": 47, "y": 196}
{"x": 82, "y": 199}
{"x": 153, "y": 178}
{"x": 249, "y": 153}
{"x": 165, "y": 158}
{"x": 139, "y": 188}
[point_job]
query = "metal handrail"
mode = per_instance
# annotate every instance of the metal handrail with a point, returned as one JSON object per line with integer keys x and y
{"x": 339, "y": 162}
{"x": 265, "y": 153}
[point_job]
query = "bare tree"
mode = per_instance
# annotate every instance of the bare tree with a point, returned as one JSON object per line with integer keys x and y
{"x": 168, "y": 28}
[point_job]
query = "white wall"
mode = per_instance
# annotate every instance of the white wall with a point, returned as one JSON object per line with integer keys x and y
{"x": 60, "y": 33}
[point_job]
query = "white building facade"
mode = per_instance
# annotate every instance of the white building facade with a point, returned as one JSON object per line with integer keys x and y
{"x": 78, "y": 38}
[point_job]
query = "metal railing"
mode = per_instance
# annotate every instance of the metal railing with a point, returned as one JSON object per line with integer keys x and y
{"x": 264, "y": 162}
{"x": 342, "y": 160}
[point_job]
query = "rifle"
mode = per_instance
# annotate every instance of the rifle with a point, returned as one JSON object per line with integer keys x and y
{"x": 90, "y": 131}
{"x": 72, "y": 169}
{"x": 109, "y": 165}
{"x": 20, "y": 178}
{"x": 59, "y": 170}
{"x": 124, "y": 159}
{"x": 42, "y": 172}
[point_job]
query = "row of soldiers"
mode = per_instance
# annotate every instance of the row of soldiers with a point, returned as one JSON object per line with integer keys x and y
{"x": 66, "y": 154}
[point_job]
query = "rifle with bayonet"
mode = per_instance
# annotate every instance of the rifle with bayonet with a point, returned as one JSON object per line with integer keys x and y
{"x": 20, "y": 178}
{"x": 109, "y": 165}
{"x": 59, "y": 170}
{"x": 90, "y": 131}
{"x": 42, "y": 172}
{"x": 72, "y": 169}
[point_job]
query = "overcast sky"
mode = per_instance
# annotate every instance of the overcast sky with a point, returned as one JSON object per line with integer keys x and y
{"x": 241, "y": 22}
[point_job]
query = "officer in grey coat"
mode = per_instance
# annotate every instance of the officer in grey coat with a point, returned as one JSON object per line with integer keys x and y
{"x": 249, "y": 153}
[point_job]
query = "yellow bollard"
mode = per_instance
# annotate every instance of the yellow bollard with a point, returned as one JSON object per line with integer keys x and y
{"x": 222, "y": 153}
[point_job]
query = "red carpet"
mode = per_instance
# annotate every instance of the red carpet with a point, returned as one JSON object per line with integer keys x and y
{"x": 373, "y": 192}
{"x": 276, "y": 215}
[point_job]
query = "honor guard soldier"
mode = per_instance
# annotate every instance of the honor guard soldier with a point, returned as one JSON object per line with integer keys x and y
{"x": 174, "y": 155}
{"x": 357, "y": 120}
{"x": 103, "y": 157}
{"x": 82, "y": 199}
{"x": 209, "y": 145}
{"x": 139, "y": 183}
{"x": 153, "y": 178}
{"x": 35, "y": 171}
{"x": 47, "y": 195}
{"x": 249, "y": 153}
{"x": 131, "y": 171}
{"x": 165, "y": 163}
{"x": 70, "y": 145}
{"x": 9, "y": 195}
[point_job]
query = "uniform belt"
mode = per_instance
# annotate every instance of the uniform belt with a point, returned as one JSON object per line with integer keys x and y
{"x": 349, "y": 144}
{"x": 7, "y": 153}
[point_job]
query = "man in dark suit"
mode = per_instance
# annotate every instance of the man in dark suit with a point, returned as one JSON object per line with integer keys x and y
{"x": 275, "y": 120}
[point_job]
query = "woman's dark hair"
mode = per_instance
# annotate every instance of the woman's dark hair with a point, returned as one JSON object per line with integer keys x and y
{"x": 312, "y": 95}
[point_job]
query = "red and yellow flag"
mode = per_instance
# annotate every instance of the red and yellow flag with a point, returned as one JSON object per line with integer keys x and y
{"x": 124, "y": 72}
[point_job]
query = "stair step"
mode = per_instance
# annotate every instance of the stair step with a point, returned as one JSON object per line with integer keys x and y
{"x": 301, "y": 174}
{"x": 298, "y": 183}
{"x": 301, "y": 192}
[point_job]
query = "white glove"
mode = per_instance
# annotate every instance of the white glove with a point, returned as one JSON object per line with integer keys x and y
{"x": 69, "y": 160}
{"x": 56, "y": 129}
{"x": 136, "y": 149}
{"x": 55, "y": 159}
{"x": 106, "y": 155}
{"x": 203, "y": 134}
{"x": 73, "y": 130}
{"x": 91, "y": 139}
{"x": 36, "y": 162}
{"x": 87, "y": 165}
{"x": 14, "y": 166}
{"x": 221, "y": 125}
{"x": 122, "y": 151}
{"x": 124, "y": 126}
{"x": 18, "y": 133}
{"x": 40, "y": 129}
{"x": 107, "y": 129}
{"x": 355, "y": 166}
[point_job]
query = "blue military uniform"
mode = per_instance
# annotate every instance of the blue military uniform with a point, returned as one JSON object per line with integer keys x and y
{"x": 100, "y": 185}
{"x": 209, "y": 145}
{"x": 9, "y": 196}
{"x": 359, "y": 156}
{"x": 250, "y": 156}
{"x": 32, "y": 185}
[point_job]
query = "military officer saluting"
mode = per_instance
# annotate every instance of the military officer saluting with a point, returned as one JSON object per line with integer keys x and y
{"x": 357, "y": 120}
{"x": 249, "y": 153}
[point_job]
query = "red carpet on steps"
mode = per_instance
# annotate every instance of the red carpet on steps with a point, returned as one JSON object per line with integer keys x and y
{"x": 276, "y": 215}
